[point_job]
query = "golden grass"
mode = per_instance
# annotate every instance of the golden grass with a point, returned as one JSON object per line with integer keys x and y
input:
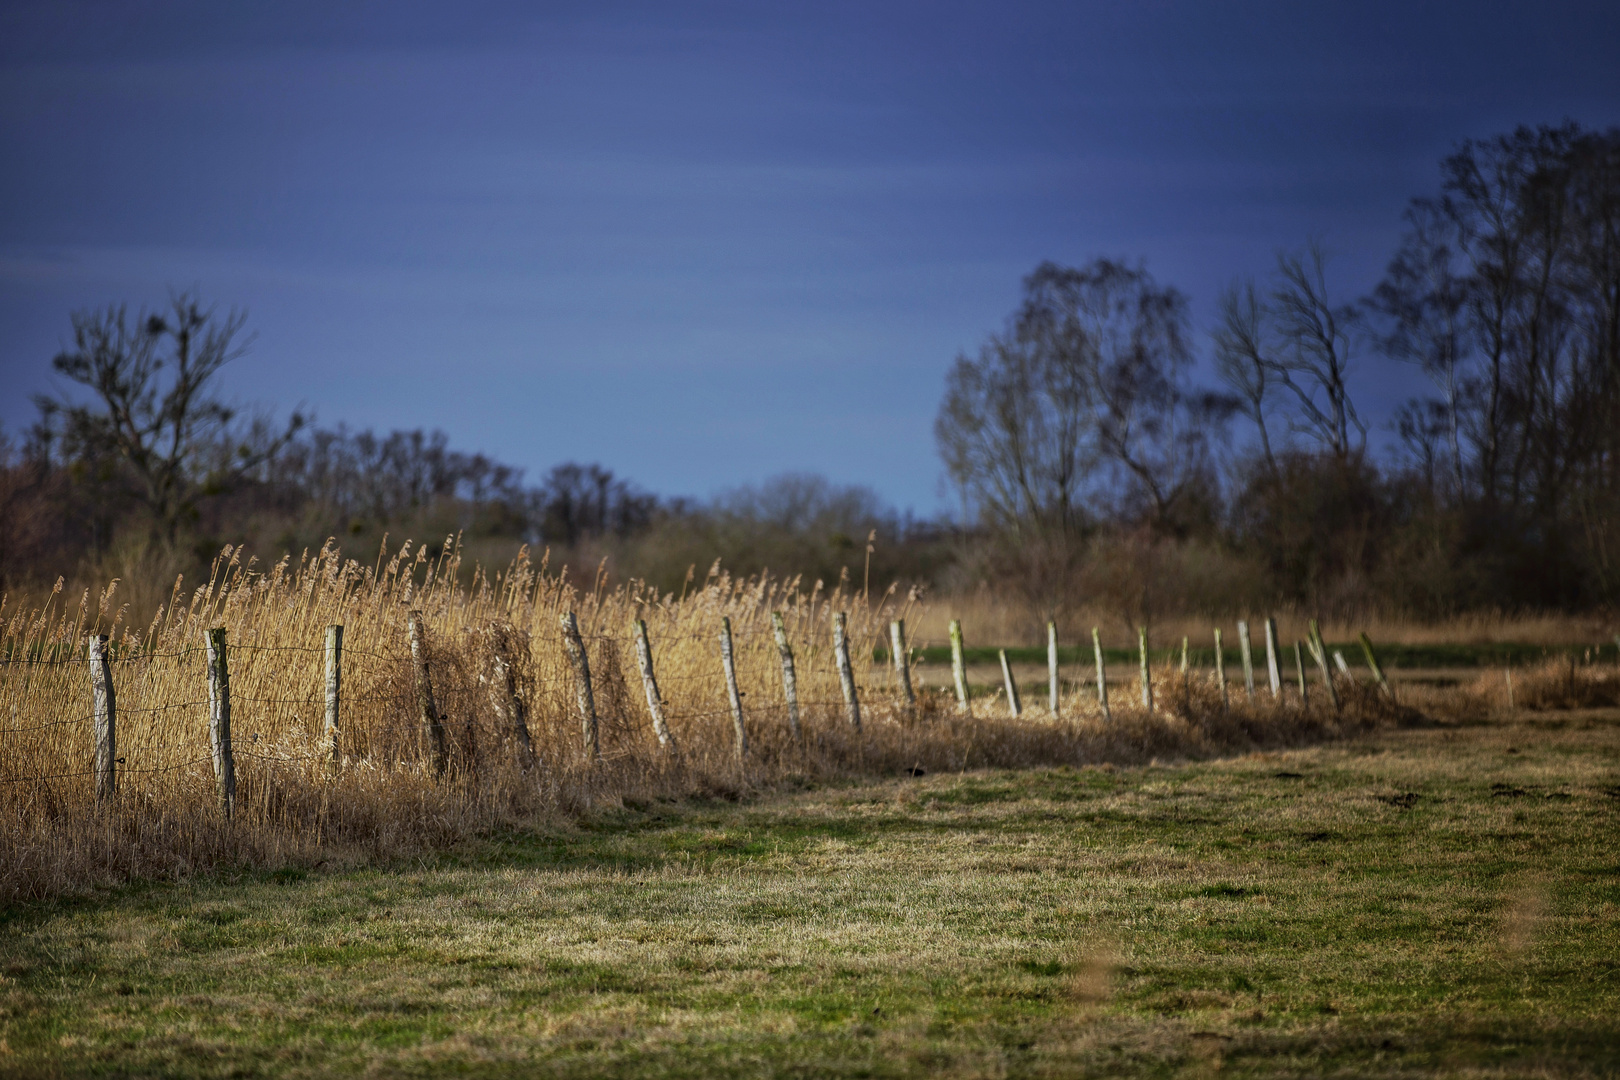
{"x": 383, "y": 797}
{"x": 1558, "y": 684}
{"x": 989, "y": 618}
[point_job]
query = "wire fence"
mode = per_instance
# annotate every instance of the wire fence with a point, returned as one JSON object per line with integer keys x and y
{"x": 162, "y": 714}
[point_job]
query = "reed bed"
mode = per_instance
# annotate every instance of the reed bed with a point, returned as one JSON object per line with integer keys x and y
{"x": 381, "y": 797}
{"x": 1005, "y": 620}
{"x": 1559, "y": 683}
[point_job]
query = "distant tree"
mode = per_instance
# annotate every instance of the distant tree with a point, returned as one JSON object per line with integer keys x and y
{"x": 1293, "y": 340}
{"x": 1245, "y": 359}
{"x": 1316, "y": 337}
{"x": 155, "y": 410}
{"x": 1078, "y": 416}
{"x": 1081, "y": 401}
{"x": 588, "y": 501}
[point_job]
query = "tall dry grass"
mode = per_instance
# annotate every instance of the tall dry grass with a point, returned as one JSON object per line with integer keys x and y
{"x": 1558, "y": 683}
{"x": 383, "y": 798}
{"x": 992, "y": 618}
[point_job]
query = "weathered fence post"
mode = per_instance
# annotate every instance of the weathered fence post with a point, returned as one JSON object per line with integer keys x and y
{"x": 334, "y": 687}
{"x": 1246, "y": 648}
{"x": 1052, "y": 699}
{"x": 728, "y": 661}
{"x": 1299, "y": 667}
{"x": 1372, "y": 662}
{"x": 1147, "y": 678}
{"x": 106, "y": 709}
{"x": 959, "y": 668}
{"x": 902, "y": 663}
{"x": 1273, "y": 670}
{"x": 219, "y": 719}
{"x": 426, "y": 707}
{"x": 1220, "y": 670}
{"x": 1014, "y": 705}
{"x": 846, "y": 673}
{"x": 1186, "y": 682}
{"x": 503, "y": 695}
{"x": 790, "y": 682}
{"x": 1319, "y": 654}
{"x": 590, "y": 729}
{"x": 1102, "y": 673}
{"x": 649, "y": 682}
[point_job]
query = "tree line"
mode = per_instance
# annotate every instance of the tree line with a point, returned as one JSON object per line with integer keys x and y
{"x": 1104, "y": 452}
{"x": 1099, "y": 468}
{"x": 148, "y": 459}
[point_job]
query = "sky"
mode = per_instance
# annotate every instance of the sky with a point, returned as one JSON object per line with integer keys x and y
{"x": 703, "y": 244}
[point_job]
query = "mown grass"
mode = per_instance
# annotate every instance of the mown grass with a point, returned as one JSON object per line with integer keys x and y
{"x": 1434, "y": 901}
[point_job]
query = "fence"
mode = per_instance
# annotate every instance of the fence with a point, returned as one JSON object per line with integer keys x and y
{"x": 198, "y": 714}
{"x": 289, "y": 712}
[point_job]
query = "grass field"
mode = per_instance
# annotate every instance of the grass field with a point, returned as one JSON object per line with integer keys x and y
{"x": 1442, "y": 900}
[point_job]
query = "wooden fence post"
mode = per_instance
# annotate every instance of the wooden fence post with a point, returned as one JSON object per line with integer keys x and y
{"x": 1147, "y": 678}
{"x": 1318, "y": 649}
{"x": 106, "y": 710}
{"x": 1246, "y": 648}
{"x": 334, "y": 686}
{"x": 589, "y": 727}
{"x": 846, "y": 674}
{"x": 728, "y": 661}
{"x": 790, "y": 682}
{"x": 1102, "y": 673}
{"x": 1372, "y": 662}
{"x": 649, "y": 682}
{"x": 1273, "y": 671}
{"x": 426, "y": 707}
{"x": 959, "y": 668}
{"x": 219, "y": 719}
{"x": 1220, "y": 670}
{"x": 1299, "y": 667}
{"x": 503, "y": 695}
{"x": 1014, "y": 705}
{"x": 1186, "y": 682}
{"x": 902, "y": 663}
{"x": 1052, "y": 686}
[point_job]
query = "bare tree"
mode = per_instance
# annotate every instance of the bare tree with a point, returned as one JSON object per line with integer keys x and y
{"x": 1244, "y": 358}
{"x": 1315, "y": 338}
{"x": 1425, "y": 300}
{"x": 1088, "y": 382}
{"x": 1012, "y": 434}
{"x": 155, "y": 409}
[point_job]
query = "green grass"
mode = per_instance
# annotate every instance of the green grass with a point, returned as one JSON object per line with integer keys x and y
{"x": 1421, "y": 902}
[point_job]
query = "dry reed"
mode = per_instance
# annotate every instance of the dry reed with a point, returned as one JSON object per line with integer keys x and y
{"x": 381, "y": 798}
{"x": 1558, "y": 683}
{"x": 995, "y": 618}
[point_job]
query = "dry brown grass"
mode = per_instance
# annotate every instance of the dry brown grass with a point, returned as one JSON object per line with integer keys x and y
{"x": 383, "y": 798}
{"x": 991, "y": 619}
{"x": 1561, "y": 683}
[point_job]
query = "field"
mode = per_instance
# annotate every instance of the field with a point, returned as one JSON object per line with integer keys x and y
{"x": 1432, "y": 899}
{"x": 458, "y": 708}
{"x": 495, "y": 857}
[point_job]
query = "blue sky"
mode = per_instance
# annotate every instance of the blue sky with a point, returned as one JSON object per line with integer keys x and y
{"x": 706, "y": 243}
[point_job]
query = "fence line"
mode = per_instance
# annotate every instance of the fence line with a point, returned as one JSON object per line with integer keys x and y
{"x": 452, "y": 687}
